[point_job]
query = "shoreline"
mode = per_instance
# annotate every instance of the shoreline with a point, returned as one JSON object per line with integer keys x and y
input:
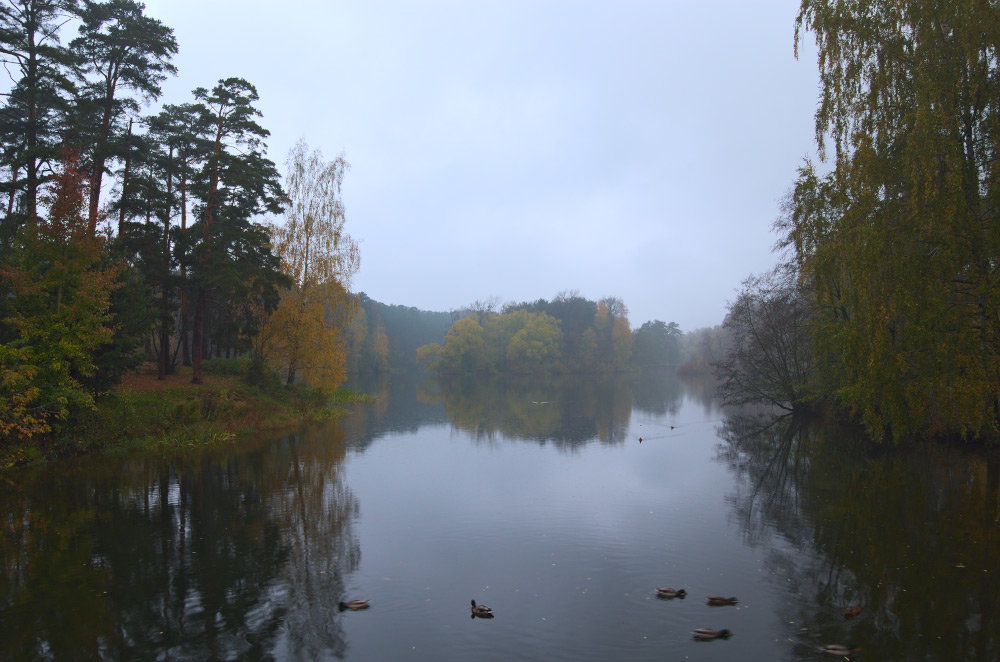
{"x": 145, "y": 414}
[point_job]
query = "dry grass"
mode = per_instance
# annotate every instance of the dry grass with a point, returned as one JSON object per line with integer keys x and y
{"x": 144, "y": 379}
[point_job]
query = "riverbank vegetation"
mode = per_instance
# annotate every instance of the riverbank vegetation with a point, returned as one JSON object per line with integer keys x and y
{"x": 888, "y": 304}
{"x": 130, "y": 237}
{"x": 144, "y": 413}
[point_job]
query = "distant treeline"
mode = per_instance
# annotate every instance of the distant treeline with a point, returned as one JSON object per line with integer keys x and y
{"x": 383, "y": 337}
{"x": 561, "y": 335}
{"x": 569, "y": 334}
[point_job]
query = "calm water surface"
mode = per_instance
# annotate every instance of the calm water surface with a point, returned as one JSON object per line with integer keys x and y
{"x": 537, "y": 500}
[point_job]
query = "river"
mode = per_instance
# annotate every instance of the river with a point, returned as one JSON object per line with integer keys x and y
{"x": 537, "y": 499}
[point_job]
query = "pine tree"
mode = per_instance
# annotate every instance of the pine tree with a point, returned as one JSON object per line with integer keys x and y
{"x": 237, "y": 182}
{"x": 37, "y": 103}
{"x": 120, "y": 49}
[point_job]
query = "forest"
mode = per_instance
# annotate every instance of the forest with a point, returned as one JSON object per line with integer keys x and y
{"x": 886, "y": 304}
{"x": 136, "y": 231}
{"x": 169, "y": 235}
{"x": 569, "y": 334}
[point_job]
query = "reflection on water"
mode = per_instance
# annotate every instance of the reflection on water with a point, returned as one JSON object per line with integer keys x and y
{"x": 399, "y": 406}
{"x": 911, "y": 536}
{"x": 563, "y": 411}
{"x": 245, "y": 554}
{"x": 217, "y": 558}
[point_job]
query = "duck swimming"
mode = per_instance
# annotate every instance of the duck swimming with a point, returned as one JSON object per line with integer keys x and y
{"x": 707, "y": 634}
{"x": 481, "y": 611}
{"x": 670, "y": 593}
{"x": 353, "y": 605}
{"x": 839, "y": 650}
{"x": 719, "y": 601}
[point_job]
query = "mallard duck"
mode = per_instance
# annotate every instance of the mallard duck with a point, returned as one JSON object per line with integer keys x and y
{"x": 481, "y": 611}
{"x": 852, "y": 611}
{"x": 719, "y": 601}
{"x": 839, "y": 650}
{"x": 353, "y": 605}
{"x": 707, "y": 634}
{"x": 670, "y": 593}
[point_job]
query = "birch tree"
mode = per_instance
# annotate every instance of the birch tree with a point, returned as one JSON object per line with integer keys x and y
{"x": 320, "y": 258}
{"x": 901, "y": 241}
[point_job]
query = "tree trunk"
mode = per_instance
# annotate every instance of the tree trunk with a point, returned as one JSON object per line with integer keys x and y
{"x": 13, "y": 188}
{"x": 31, "y": 139}
{"x": 97, "y": 169}
{"x": 199, "y": 314}
{"x": 164, "y": 289}
{"x": 125, "y": 176}
{"x": 185, "y": 340}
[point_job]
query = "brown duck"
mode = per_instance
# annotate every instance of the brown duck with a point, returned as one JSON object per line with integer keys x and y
{"x": 719, "y": 601}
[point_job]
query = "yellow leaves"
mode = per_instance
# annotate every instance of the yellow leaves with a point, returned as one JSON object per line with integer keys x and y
{"x": 536, "y": 345}
{"x": 299, "y": 340}
{"x": 20, "y": 417}
{"x": 899, "y": 240}
{"x": 312, "y": 244}
{"x": 429, "y": 355}
{"x": 516, "y": 341}
{"x": 59, "y": 288}
{"x": 302, "y": 336}
{"x": 380, "y": 348}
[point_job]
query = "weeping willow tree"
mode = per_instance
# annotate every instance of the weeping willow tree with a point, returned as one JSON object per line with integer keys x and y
{"x": 302, "y": 337}
{"x": 900, "y": 239}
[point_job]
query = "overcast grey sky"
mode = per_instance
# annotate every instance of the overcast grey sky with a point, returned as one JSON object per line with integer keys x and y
{"x": 521, "y": 149}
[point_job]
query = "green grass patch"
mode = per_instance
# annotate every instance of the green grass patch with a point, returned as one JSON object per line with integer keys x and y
{"x": 183, "y": 417}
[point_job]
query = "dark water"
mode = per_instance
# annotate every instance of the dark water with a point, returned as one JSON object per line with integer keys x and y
{"x": 535, "y": 499}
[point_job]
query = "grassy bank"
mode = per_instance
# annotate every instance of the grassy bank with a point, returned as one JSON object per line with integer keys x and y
{"x": 173, "y": 415}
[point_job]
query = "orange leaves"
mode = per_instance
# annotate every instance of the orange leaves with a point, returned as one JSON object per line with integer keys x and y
{"x": 59, "y": 296}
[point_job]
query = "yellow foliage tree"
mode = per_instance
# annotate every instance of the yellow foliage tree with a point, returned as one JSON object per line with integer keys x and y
{"x": 613, "y": 333}
{"x": 302, "y": 338}
{"x": 58, "y": 289}
{"x": 380, "y": 348}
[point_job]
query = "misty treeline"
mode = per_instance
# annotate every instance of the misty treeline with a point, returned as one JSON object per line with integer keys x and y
{"x": 887, "y": 303}
{"x": 384, "y": 337}
{"x": 128, "y": 236}
{"x": 569, "y": 334}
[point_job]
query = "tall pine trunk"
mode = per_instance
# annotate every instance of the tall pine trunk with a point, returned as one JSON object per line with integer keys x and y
{"x": 199, "y": 313}
{"x": 185, "y": 338}
{"x": 164, "y": 287}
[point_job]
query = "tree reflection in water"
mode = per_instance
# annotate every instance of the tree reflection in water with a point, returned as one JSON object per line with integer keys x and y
{"x": 911, "y": 534}
{"x": 220, "y": 558}
{"x": 565, "y": 412}
{"x": 657, "y": 392}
